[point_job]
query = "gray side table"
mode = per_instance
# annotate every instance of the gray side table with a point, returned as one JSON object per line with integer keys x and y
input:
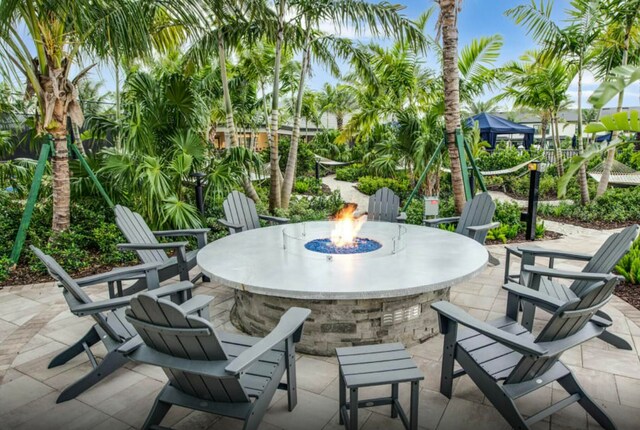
{"x": 372, "y": 365}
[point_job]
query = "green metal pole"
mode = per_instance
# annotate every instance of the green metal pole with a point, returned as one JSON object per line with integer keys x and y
{"x": 31, "y": 200}
{"x": 463, "y": 164}
{"x": 474, "y": 166}
{"x": 93, "y": 177}
{"x": 433, "y": 158}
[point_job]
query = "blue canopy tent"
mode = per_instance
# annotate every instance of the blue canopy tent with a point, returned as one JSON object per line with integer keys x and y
{"x": 491, "y": 126}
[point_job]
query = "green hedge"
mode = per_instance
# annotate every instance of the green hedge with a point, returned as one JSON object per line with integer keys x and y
{"x": 629, "y": 265}
{"x": 616, "y": 205}
{"x": 350, "y": 173}
{"x": 370, "y": 184}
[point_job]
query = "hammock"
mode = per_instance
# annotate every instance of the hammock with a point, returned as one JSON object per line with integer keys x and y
{"x": 499, "y": 172}
{"x": 621, "y": 174}
{"x": 323, "y": 161}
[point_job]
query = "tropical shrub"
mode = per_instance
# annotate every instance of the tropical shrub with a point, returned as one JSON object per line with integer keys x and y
{"x": 307, "y": 185}
{"x": 616, "y": 205}
{"x": 106, "y": 238}
{"x": 504, "y": 157}
{"x": 351, "y": 173}
{"x": 370, "y": 184}
{"x": 5, "y": 266}
{"x": 629, "y": 265}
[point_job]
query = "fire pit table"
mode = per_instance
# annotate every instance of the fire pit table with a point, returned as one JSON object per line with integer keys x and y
{"x": 377, "y": 293}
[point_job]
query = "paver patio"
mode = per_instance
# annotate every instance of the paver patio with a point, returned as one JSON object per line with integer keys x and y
{"x": 35, "y": 323}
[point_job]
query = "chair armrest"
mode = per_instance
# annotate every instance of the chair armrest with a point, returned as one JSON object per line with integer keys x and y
{"x": 289, "y": 324}
{"x": 534, "y": 296}
{"x": 537, "y": 251}
{"x": 197, "y": 304}
{"x": 199, "y": 233}
{"x": 402, "y": 218}
{"x": 437, "y": 221}
{"x": 84, "y": 309}
{"x": 168, "y": 290}
{"x": 537, "y": 271}
{"x": 237, "y": 228}
{"x": 455, "y": 314}
{"x": 276, "y": 219}
{"x": 120, "y": 274}
{"x": 588, "y": 332}
{"x": 151, "y": 246}
{"x": 484, "y": 227}
{"x": 131, "y": 345}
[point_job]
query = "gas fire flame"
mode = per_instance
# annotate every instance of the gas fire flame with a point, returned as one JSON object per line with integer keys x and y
{"x": 347, "y": 227}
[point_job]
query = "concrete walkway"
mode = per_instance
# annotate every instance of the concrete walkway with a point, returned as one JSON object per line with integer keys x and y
{"x": 348, "y": 191}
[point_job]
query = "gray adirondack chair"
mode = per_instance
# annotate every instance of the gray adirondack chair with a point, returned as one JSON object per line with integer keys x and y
{"x": 212, "y": 371}
{"x": 111, "y": 327}
{"x": 598, "y": 266}
{"x": 241, "y": 214}
{"x": 475, "y": 221}
{"x": 506, "y": 361}
{"x": 144, "y": 242}
{"x": 384, "y": 205}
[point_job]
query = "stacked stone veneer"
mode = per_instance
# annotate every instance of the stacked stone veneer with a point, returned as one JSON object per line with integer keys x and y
{"x": 339, "y": 323}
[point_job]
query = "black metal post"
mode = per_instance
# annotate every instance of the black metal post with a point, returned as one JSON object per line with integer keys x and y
{"x": 318, "y": 170}
{"x": 199, "y": 191}
{"x": 472, "y": 182}
{"x": 532, "y": 208}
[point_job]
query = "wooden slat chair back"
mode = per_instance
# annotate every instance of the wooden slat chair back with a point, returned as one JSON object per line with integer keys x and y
{"x": 384, "y": 205}
{"x": 605, "y": 259}
{"x": 568, "y": 320}
{"x": 136, "y": 230}
{"x": 165, "y": 327}
{"x": 477, "y": 211}
{"x": 73, "y": 293}
{"x": 241, "y": 210}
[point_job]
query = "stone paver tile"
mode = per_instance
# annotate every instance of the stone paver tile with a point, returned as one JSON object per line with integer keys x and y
{"x": 431, "y": 371}
{"x": 39, "y": 369}
{"x": 49, "y": 347}
{"x": 313, "y": 412}
{"x": 473, "y": 301}
{"x": 21, "y": 414}
{"x": 148, "y": 370}
{"x": 431, "y": 349}
{"x": 315, "y": 375}
{"x": 71, "y": 414}
{"x": 599, "y": 385}
{"x": 466, "y": 389}
{"x": 6, "y": 328}
{"x": 226, "y": 423}
{"x": 112, "y": 424}
{"x": 628, "y": 390}
{"x": 572, "y": 357}
{"x": 534, "y": 402}
{"x": 624, "y": 363}
{"x": 624, "y": 417}
{"x": 122, "y": 399}
{"x": 197, "y": 420}
{"x": 117, "y": 383}
{"x": 136, "y": 413}
{"x": 21, "y": 391}
{"x": 334, "y": 424}
{"x": 382, "y": 422}
{"x": 573, "y": 416}
{"x": 462, "y": 414}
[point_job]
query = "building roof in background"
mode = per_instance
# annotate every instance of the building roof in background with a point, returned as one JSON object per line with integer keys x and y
{"x": 570, "y": 115}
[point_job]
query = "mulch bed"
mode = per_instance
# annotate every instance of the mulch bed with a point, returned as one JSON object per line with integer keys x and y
{"x": 595, "y": 225}
{"x": 630, "y": 293}
{"x": 548, "y": 235}
{"x": 23, "y": 275}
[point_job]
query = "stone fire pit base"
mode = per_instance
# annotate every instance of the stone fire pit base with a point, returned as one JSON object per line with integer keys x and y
{"x": 339, "y": 323}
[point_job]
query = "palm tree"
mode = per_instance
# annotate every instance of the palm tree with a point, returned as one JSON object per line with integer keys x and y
{"x": 623, "y": 25}
{"x": 480, "y": 106}
{"x": 574, "y": 43}
{"x": 448, "y": 29}
{"x": 540, "y": 83}
{"x": 56, "y": 34}
{"x": 380, "y": 18}
{"x": 338, "y": 100}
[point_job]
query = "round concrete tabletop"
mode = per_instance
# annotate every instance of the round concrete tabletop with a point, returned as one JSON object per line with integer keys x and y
{"x": 256, "y": 261}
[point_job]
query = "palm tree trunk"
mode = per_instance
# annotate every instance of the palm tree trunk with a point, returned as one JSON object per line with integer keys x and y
{"x": 611, "y": 154}
{"x": 60, "y": 166}
{"x": 290, "y": 171}
{"x": 451, "y": 78}
{"x": 274, "y": 190}
{"x": 582, "y": 175}
{"x": 556, "y": 144}
{"x": 247, "y": 186}
{"x": 339, "y": 120}
{"x": 543, "y": 131}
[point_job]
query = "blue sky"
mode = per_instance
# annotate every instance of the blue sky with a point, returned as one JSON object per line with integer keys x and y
{"x": 484, "y": 18}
